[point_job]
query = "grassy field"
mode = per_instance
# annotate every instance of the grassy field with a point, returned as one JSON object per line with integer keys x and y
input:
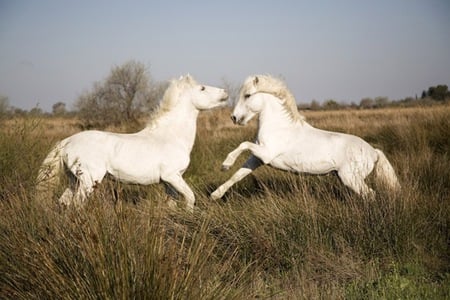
{"x": 275, "y": 235}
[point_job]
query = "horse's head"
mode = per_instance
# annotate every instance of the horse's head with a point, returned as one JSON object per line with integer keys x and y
{"x": 254, "y": 94}
{"x": 203, "y": 96}
{"x": 248, "y": 104}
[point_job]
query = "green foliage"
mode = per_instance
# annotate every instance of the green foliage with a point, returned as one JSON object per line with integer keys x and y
{"x": 276, "y": 235}
{"x": 439, "y": 92}
{"x": 407, "y": 282}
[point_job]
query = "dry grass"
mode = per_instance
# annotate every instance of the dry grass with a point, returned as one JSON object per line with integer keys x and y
{"x": 276, "y": 235}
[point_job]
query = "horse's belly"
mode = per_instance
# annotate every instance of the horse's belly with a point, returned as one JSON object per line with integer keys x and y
{"x": 141, "y": 169}
{"x": 136, "y": 178}
{"x": 294, "y": 164}
{"x": 136, "y": 175}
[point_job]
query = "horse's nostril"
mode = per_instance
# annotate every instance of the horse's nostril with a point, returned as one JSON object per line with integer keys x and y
{"x": 234, "y": 119}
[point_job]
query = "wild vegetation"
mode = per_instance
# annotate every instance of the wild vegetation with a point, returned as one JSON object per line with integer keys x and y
{"x": 276, "y": 235}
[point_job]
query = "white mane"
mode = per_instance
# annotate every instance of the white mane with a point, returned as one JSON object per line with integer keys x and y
{"x": 170, "y": 97}
{"x": 276, "y": 87}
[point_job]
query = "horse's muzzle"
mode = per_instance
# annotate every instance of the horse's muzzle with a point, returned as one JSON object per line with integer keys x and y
{"x": 225, "y": 97}
{"x": 235, "y": 119}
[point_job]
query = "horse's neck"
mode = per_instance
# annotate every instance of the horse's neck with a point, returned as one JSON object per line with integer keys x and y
{"x": 274, "y": 118}
{"x": 181, "y": 122}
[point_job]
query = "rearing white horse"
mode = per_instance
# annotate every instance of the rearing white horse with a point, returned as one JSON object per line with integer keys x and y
{"x": 286, "y": 141}
{"x": 159, "y": 152}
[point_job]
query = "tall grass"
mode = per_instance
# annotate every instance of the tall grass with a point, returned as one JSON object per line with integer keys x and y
{"x": 275, "y": 235}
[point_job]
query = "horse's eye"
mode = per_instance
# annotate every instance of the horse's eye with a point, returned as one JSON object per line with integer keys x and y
{"x": 203, "y": 88}
{"x": 246, "y": 96}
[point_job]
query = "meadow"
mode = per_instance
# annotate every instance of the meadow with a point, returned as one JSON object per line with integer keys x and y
{"x": 275, "y": 235}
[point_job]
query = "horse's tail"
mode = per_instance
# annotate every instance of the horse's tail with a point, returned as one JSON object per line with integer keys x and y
{"x": 385, "y": 171}
{"x": 49, "y": 173}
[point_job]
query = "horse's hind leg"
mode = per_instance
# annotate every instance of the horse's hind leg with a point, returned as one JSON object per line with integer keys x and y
{"x": 356, "y": 183}
{"x": 87, "y": 182}
{"x": 171, "y": 195}
{"x": 67, "y": 197}
{"x": 75, "y": 194}
{"x": 170, "y": 190}
{"x": 83, "y": 184}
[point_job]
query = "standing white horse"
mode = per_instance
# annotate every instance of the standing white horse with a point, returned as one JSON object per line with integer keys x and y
{"x": 159, "y": 152}
{"x": 285, "y": 141}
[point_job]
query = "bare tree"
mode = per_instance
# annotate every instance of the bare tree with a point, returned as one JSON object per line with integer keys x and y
{"x": 127, "y": 85}
{"x": 59, "y": 109}
{"x": 120, "y": 98}
{"x": 381, "y": 102}
{"x": 155, "y": 94}
{"x": 366, "y": 103}
{"x": 232, "y": 89}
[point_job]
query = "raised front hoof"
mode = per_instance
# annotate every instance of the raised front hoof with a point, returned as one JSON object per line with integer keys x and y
{"x": 216, "y": 195}
{"x": 225, "y": 168}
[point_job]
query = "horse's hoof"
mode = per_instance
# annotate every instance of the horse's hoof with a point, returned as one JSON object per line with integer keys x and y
{"x": 215, "y": 196}
{"x": 225, "y": 168}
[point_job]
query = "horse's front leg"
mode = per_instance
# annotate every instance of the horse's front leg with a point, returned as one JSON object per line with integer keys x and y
{"x": 178, "y": 183}
{"x": 257, "y": 150}
{"x": 249, "y": 166}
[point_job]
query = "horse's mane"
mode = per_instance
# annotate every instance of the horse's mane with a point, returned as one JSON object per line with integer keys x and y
{"x": 276, "y": 87}
{"x": 170, "y": 97}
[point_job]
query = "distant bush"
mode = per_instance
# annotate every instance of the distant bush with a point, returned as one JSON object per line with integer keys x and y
{"x": 59, "y": 109}
{"x": 439, "y": 92}
{"x": 331, "y": 105}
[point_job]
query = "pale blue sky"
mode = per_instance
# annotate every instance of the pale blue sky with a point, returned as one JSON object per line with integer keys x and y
{"x": 345, "y": 50}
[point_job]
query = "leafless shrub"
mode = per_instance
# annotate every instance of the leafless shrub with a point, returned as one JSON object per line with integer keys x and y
{"x": 120, "y": 99}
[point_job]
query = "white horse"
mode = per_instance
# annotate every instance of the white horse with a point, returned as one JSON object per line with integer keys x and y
{"x": 287, "y": 142}
{"x": 159, "y": 152}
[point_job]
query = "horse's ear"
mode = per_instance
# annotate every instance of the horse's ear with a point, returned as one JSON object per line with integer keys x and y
{"x": 187, "y": 78}
{"x": 256, "y": 80}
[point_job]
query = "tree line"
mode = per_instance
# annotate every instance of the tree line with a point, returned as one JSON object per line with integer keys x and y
{"x": 434, "y": 95}
{"x": 129, "y": 92}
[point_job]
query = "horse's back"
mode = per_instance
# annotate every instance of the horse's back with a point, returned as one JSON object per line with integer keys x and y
{"x": 319, "y": 151}
{"x": 87, "y": 141}
{"x": 351, "y": 153}
{"x": 135, "y": 158}
{"x": 86, "y": 147}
